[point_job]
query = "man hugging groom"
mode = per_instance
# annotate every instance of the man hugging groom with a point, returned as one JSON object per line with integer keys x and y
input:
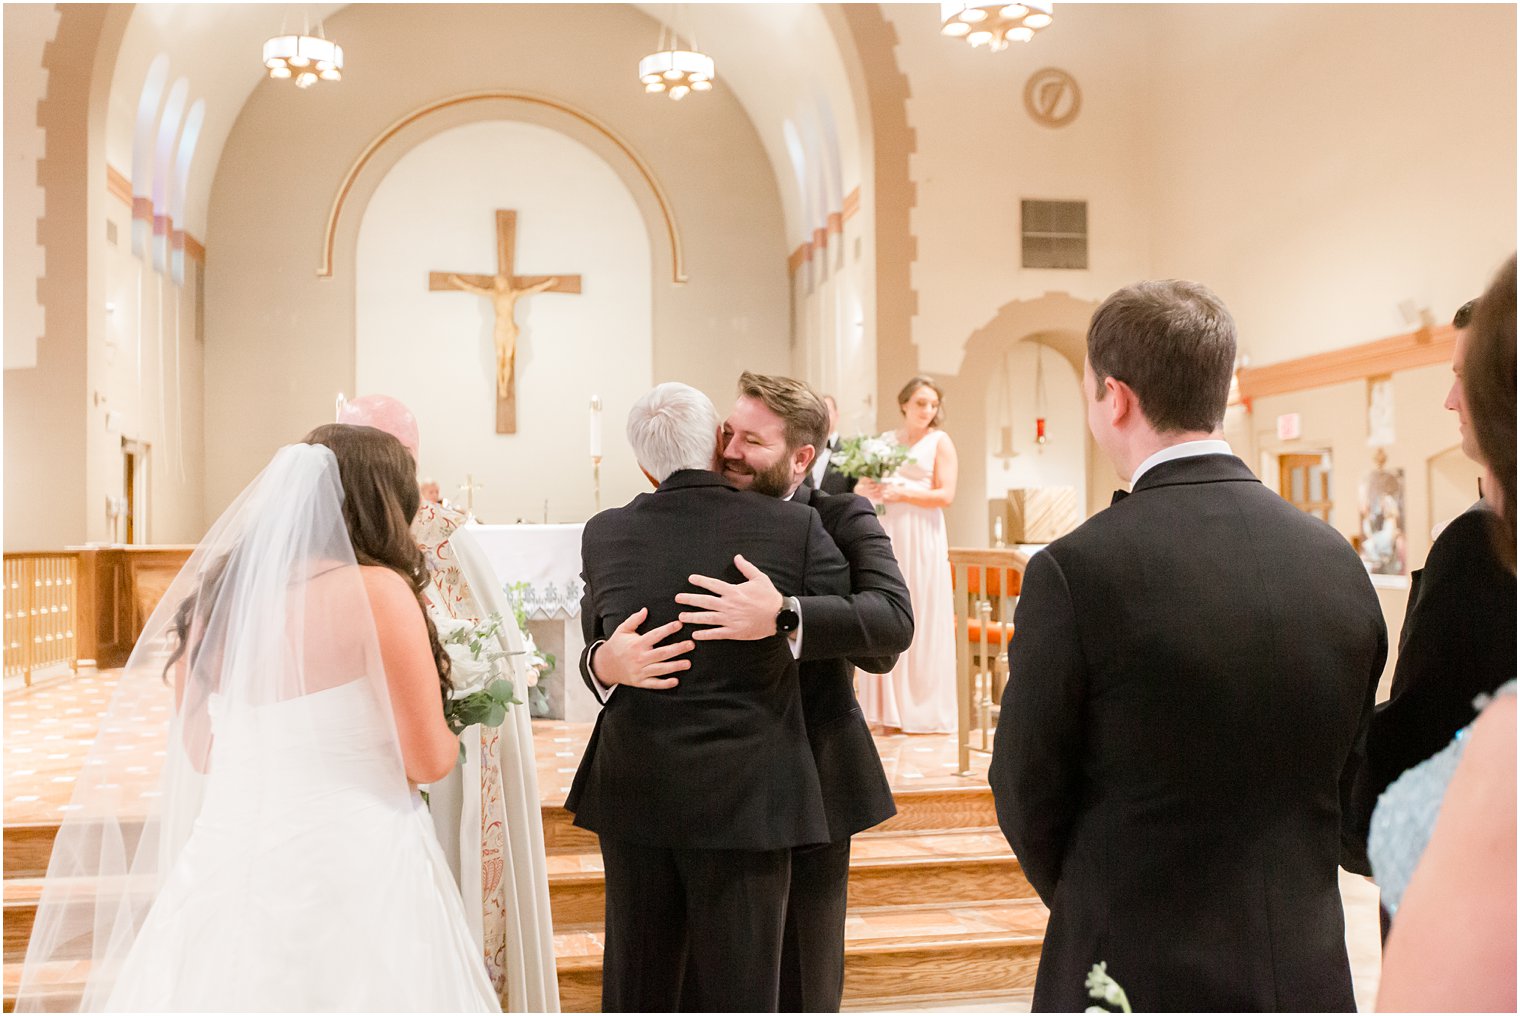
{"x": 725, "y": 798}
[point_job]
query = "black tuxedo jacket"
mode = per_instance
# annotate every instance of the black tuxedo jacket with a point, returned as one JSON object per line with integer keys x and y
{"x": 1458, "y": 641}
{"x": 722, "y": 761}
{"x": 1191, "y": 683}
{"x": 867, "y": 629}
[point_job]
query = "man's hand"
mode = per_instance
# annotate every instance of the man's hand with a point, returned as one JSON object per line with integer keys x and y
{"x": 745, "y": 612}
{"x": 635, "y": 660}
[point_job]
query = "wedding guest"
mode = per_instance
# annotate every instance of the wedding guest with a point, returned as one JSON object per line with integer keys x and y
{"x": 1458, "y": 640}
{"x": 824, "y": 475}
{"x": 918, "y": 696}
{"x": 1190, "y": 684}
{"x": 1452, "y": 946}
{"x": 287, "y": 863}
{"x": 698, "y": 793}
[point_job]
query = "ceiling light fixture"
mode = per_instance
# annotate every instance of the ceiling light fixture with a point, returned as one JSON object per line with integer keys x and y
{"x": 674, "y": 70}
{"x": 304, "y": 59}
{"x": 994, "y": 25}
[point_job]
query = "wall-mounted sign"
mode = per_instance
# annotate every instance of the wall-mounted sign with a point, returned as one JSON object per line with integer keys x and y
{"x": 1290, "y": 427}
{"x": 1052, "y": 97}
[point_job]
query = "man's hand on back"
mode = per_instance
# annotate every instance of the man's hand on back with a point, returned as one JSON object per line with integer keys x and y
{"x": 636, "y": 660}
{"x": 745, "y": 611}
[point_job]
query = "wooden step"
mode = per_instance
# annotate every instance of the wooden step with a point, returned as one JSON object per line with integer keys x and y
{"x": 940, "y": 809}
{"x": 886, "y": 869}
{"x": 892, "y": 956}
{"x": 29, "y": 845}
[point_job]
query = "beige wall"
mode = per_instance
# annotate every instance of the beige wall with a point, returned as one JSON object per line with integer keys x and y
{"x": 45, "y": 406}
{"x": 436, "y": 351}
{"x": 145, "y": 374}
{"x": 1293, "y": 157}
{"x": 977, "y": 154}
{"x": 280, "y": 340}
{"x": 1318, "y": 164}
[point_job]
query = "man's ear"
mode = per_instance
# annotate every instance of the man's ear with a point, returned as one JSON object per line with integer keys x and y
{"x": 718, "y": 444}
{"x": 1122, "y": 403}
{"x": 803, "y": 458}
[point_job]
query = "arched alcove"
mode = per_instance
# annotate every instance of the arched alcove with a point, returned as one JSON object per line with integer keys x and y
{"x": 434, "y": 211}
{"x": 1057, "y": 321}
{"x": 1452, "y": 487}
{"x": 1035, "y": 390}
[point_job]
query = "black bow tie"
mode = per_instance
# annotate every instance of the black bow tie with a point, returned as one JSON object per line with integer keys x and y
{"x": 1119, "y": 495}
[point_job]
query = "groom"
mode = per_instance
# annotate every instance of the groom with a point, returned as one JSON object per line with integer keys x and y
{"x": 700, "y": 793}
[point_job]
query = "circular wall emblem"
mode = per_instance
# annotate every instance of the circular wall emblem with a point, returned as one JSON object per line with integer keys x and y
{"x": 1052, "y": 97}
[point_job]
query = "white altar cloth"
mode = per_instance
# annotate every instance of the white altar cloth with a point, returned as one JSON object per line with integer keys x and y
{"x": 546, "y": 560}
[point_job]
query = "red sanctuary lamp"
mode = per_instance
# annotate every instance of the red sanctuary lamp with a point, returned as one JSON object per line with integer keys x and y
{"x": 1039, "y": 430}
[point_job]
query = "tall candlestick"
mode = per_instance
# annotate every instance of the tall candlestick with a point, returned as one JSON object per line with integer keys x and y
{"x": 596, "y": 427}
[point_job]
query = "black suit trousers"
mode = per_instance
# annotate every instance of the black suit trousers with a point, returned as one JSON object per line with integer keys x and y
{"x": 712, "y": 919}
{"x": 812, "y": 952}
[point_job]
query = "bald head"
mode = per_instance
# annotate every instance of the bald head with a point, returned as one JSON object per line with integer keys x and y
{"x": 383, "y": 413}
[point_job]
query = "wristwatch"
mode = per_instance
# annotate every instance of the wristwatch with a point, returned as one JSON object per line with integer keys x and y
{"x": 788, "y": 619}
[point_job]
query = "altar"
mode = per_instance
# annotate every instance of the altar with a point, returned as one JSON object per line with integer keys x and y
{"x": 539, "y": 567}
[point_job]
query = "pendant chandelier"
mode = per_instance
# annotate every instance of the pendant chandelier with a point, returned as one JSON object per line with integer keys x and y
{"x": 305, "y": 58}
{"x": 675, "y": 70}
{"x": 994, "y": 25}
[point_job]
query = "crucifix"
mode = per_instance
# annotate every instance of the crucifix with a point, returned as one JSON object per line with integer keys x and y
{"x": 469, "y": 486}
{"x": 504, "y": 290}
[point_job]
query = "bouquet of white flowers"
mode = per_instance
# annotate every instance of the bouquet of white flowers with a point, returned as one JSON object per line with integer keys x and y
{"x": 481, "y": 694}
{"x": 871, "y": 458}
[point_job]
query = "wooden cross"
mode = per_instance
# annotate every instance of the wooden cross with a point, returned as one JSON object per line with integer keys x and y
{"x": 504, "y": 290}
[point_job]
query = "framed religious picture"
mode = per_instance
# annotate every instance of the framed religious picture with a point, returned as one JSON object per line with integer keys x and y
{"x": 1382, "y": 540}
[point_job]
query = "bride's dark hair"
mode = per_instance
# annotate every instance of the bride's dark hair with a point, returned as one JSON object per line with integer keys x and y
{"x": 380, "y": 499}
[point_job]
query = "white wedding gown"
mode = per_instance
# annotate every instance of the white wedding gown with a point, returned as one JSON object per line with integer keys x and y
{"x": 284, "y": 863}
{"x": 336, "y": 897}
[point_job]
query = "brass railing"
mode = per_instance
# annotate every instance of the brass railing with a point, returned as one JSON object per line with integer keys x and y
{"x": 987, "y": 583}
{"x": 41, "y": 612}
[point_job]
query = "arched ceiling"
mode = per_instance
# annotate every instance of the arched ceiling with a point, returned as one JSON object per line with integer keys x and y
{"x": 781, "y": 61}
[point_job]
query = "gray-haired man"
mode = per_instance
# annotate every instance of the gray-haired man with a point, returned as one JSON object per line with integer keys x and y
{"x": 698, "y": 793}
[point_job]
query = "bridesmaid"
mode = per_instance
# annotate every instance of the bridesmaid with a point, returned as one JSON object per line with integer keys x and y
{"x": 918, "y": 696}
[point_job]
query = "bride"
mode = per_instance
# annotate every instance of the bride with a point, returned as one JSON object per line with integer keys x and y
{"x": 288, "y": 863}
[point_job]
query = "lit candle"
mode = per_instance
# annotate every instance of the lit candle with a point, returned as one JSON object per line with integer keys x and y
{"x": 338, "y": 409}
{"x": 596, "y": 427}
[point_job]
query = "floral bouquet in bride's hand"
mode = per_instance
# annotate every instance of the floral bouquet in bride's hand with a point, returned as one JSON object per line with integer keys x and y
{"x": 481, "y": 694}
{"x": 870, "y": 458}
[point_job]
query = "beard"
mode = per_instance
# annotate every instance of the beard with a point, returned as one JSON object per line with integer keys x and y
{"x": 773, "y": 481}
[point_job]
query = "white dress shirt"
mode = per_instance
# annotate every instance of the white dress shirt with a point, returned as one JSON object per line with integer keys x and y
{"x": 1185, "y": 450}
{"x": 821, "y": 463}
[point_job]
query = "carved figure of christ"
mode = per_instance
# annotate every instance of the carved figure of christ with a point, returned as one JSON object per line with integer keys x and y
{"x": 504, "y": 290}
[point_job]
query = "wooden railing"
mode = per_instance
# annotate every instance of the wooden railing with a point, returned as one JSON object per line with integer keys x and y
{"x": 84, "y": 606}
{"x": 41, "y": 612}
{"x": 986, "y": 583}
